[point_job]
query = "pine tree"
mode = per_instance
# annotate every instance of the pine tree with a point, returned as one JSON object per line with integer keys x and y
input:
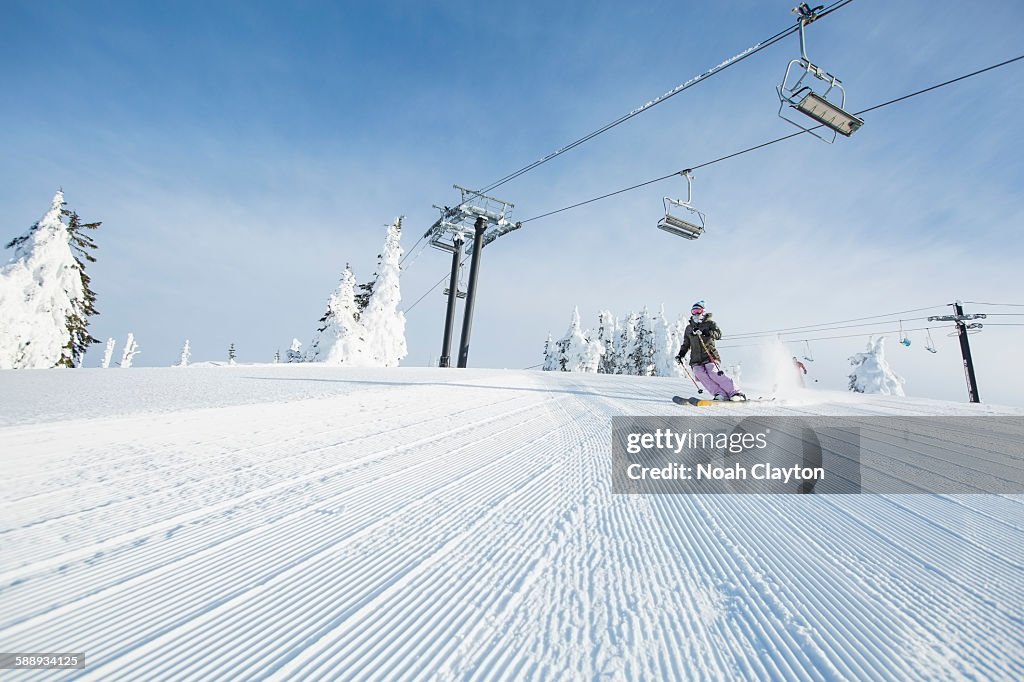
{"x": 627, "y": 344}
{"x": 232, "y": 356}
{"x": 339, "y": 340}
{"x": 365, "y": 290}
{"x": 641, "y": 356}
{"x": 550, "y": 356}
{"x": 587, "y": 352}
{"x": 679, "y": 331}
{"x": 872, "y": 373}
{"x": 277, "y": 356}
{"x": 108, "y": 353}
{"x": 186, "y": 354}
{"x": 608, "y": 336}
{"x": 382, "y": 321}
{"x": 82, "y": 246}
{"x": 131, "y": 349}
{"x": 577, "y": 351}
{"x": 45, "y": 299}
{"x": 561, "y": 354}
{"x": 363, "y": 294}
{"x": 666, "y": 345}
{"x": 563, "y": 345}
{"x": 295, "y": 352}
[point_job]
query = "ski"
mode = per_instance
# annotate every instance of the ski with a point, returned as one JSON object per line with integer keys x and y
{"x": 698, "y": 402}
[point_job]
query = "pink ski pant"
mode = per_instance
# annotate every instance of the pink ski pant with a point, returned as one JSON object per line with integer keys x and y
{"x": 707, "y": 375}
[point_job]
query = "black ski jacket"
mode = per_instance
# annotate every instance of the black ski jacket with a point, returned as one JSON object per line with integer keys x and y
{"x": 699, "y": 339}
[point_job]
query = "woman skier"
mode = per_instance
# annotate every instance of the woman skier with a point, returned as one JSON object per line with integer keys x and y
{"x": 699, "y": 339}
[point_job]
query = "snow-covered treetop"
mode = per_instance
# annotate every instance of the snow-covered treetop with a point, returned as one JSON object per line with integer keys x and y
{"x": 341, "y": 342}
{"x": 48, "y": 227}
{"x": 41, "y": 287}
{"x": 383, "y": 322}
{"x": 872, "y": 373}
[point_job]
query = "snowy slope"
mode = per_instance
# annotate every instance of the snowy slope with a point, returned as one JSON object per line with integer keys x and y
{"x": 299, "y": 522}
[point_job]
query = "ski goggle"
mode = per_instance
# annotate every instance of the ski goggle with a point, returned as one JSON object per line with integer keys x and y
{"x": 697, "y": 311}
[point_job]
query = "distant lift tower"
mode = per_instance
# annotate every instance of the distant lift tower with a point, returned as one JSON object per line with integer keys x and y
{"x": 483, "y": 219}
{"x": 962, "y": 330}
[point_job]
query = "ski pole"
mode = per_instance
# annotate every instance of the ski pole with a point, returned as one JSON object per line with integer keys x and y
{"x": 708, "y": 353}
{"x": 699, "y": 389}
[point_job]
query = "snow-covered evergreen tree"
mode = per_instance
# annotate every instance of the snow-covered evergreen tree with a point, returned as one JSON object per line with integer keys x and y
{"x": 131, "y": 349}
{"x": 642, "y": 344}
{"x": 108, "y": 353}
{"x": 339, "y": 339}
{"x": 577, "y": 351}
{"x": 383, "y": 323}
{"x": 608, "y": 337}
{"x": 551, "y": 361}
{"x": 277, "y": 357}
{"x": 585, "y": 353}
{"x": 45, "y": 300}
{"x": 666, "y": 345}
{"x": 872, "y": 374}
{"x": 232, "y": 355}
{"x": 364, "y": 291}
{"x": 560, "y": 355}
{"x": 186, "y": 354}
{"x": 295, "y": 352}
{"x": 627, "y": 344}
{"x": 679, "y": 331}
{"x": 82, "y": 246}
{"x": 555, "y": 352}
{"x": 641, "y": 356}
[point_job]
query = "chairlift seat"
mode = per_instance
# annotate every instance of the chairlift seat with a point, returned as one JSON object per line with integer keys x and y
{"x": 679, "y": 227}
{"x": 459, "y": 293}
{"x": 829, "y": 114}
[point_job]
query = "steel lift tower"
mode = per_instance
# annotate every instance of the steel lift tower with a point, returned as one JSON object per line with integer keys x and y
{"x": 476, "y": 221}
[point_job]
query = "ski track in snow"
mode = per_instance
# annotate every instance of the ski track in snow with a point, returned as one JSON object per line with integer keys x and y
{"x": 314, "y": 523}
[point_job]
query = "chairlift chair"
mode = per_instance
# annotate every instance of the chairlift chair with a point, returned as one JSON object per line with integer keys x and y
{"x": 929, "y": 345}
{"x": 904, "y": 339}
{"x": 808, "y": 355}
{"x": 459, "y": 293}
{"x": 677, "y": 224}
{"x": 796, "y": 91}
{"x": 460, "y": 284}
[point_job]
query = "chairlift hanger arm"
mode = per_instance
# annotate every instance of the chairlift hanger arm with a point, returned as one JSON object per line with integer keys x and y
{"x": 688, "y": 174}
{"x": 806, "y": 15}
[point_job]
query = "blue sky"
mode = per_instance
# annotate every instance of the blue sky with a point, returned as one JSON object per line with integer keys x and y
{"x": 239, "y": 154}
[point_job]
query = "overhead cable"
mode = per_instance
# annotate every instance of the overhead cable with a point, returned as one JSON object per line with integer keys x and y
{"x": 767, "y": 42}
{"x": 771, "y": 142}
